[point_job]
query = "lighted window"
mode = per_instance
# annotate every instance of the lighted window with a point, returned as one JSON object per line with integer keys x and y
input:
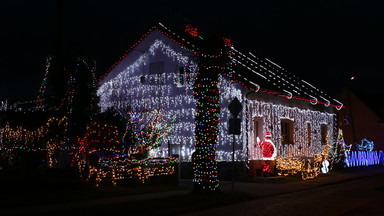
{"x": 258, "y": 128}
{"x": 173, "y": 149}
{"x": 324, "y": 131}
{"x": 181, "y": 76}
{"x": 286, "y": 131}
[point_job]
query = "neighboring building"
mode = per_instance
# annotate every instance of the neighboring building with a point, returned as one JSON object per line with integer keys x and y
{"x": 358, "y": 120}
{"x": 161, "y": 68}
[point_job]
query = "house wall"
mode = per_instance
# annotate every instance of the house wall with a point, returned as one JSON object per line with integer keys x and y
{"x": 273, "y": 112}
{"x": 228, "y": 91}
{"x": 358, "y": 121}
{"x": 133, "y": 83}
{"x": 124, "y": 87}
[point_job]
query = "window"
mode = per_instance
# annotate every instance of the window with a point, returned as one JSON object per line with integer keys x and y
{"x": 258, "y": 128}
{"x": 142, "y": 79}
{"x": 156, "y": 70}
{"x": 286, "y": 131}
{"x": 180, "y": 76}
{"x": 309, "y": 133}
{"x": 324, "y": 131}
{"x": 173, "y": 149}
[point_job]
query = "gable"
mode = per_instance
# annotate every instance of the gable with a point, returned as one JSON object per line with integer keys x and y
{"x": 147, "y": 48}
{"x": 154, "y": 61}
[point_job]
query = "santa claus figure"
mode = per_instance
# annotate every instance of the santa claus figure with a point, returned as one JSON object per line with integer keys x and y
{"x": 269, "y": 153}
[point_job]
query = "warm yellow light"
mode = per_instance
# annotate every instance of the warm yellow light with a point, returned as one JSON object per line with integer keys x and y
{"x": 309, "y": 168}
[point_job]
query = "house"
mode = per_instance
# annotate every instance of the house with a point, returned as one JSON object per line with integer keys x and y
{"x": 358, "y": 120}
{"x": 160, "y": 69}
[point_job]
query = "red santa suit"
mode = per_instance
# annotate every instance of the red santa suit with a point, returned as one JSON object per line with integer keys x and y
{"x": 269, "y": 152}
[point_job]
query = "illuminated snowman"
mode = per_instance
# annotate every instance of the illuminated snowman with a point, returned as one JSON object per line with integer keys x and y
{"x": 324, "y": 167}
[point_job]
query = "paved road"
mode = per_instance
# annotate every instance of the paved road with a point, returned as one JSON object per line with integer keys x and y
{"x": 48, "y": 209}
{"x": 358, "y": 191}
{"x": 358, "y": 196}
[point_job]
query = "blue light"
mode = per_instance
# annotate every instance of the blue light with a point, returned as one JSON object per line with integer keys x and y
{"x": 364, "y": 158}
{"x": 365, "y": 145}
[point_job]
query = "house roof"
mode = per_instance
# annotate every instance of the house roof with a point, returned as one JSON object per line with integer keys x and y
{"x": 254, "y": 73}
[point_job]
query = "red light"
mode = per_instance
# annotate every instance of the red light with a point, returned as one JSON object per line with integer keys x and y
{"x": 192, "y": 30}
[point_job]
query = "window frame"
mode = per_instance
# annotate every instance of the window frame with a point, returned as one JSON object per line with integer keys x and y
{"x": 286, "y": 131}
{"x": 309, "y": 133}
{"x": 258, "y": 128}
{"x": 323, "y": 133}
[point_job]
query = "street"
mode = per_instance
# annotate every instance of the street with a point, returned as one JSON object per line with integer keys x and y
{"x": 352, "y": 191}
{"x": 362, "y": 196}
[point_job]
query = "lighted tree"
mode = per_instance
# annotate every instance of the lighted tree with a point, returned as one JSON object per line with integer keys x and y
{"x": 102, "y": 140}
{"x": 339, "y": 156}
{"x": 206, "y": 131}
{"x": 148, "y": 126}
{"x": 207, "y": 94}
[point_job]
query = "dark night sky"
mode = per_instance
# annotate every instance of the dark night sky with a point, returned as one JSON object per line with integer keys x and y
{"x": 321, "y": 41}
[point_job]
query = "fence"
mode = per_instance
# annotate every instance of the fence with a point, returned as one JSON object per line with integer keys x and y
{"x": 364, "y": 158}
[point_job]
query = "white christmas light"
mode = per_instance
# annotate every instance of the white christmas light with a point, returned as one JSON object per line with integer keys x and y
{"x": 328, "y": 102}
{"x": 313, "y": 99}
{"x": 272, "y": 114}
{"x": 340, "y": 104}
{"x": 134, "y": 86}
{"x": 325, "y": 166}
{"x": 289, "y": 93}
{"x": 127, "y": 89}
{"x": 273, "y": 63}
